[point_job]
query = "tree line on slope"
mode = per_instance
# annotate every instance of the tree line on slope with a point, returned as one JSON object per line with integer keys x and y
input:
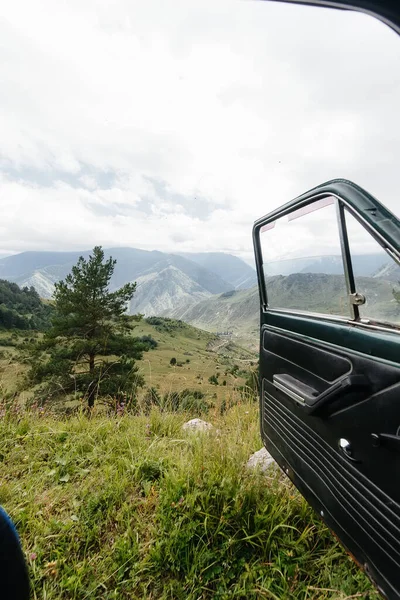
{"x": 22, "y": 308}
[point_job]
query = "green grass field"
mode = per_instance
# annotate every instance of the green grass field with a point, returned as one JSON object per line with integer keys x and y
{"x": 135, "y": 508}
{"x": 12, "y": 370}
{"x": 199, "y": 356}
{"x": 131, "y": 507}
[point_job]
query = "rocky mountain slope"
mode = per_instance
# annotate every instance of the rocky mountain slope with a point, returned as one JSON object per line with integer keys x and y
{"x": 161, "y": 292}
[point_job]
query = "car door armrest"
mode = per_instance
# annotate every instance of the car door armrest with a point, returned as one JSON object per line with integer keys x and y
{"x": 311, "y": 399}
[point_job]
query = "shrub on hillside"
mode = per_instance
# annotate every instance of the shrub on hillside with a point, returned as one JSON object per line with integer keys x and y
{"x": 151, "y": 399}
{"x": 149, "y": 342}
{"x": 163, "y": 324}
{"x": 252, "y": 381}
{"x": 187, "y": 400}
{"x": 11, "y": 342}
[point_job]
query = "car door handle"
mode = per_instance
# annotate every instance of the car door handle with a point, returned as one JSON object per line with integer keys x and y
{"x": 386, "y": 439}
{"x": 312, "y": 400}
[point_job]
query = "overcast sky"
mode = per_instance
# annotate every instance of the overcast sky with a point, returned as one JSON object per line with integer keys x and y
{"x": 174, "y": 125}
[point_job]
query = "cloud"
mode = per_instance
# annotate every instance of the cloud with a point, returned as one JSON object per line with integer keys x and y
{"x": 173, "y": 127}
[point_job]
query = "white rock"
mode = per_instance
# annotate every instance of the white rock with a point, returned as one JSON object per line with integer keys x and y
{"x": 261, "y": 460}
{"x": 197, "y": 425}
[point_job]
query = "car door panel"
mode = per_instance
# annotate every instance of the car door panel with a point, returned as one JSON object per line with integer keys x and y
{"x": 369, "y": 524}
{"x": 330, "y": 400}
{"x": 363, "y": 489}
{"x": 338, "y": 421}
{"x": 316, "y": 365}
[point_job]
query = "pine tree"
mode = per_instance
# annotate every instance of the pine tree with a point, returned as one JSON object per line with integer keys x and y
{"x": 89, "y": 327}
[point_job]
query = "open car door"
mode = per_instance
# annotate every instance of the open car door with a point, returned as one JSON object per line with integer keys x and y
{"x": 328, "y": 272}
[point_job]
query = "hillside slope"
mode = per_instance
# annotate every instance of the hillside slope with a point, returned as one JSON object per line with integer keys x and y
{"x": 22, "y": 308}
{"x": 199, "y": 355}
{"x": 236, "y": 311}
{"x": 165, "y": 289}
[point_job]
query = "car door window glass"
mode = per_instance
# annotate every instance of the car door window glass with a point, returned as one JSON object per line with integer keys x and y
{"x": 302, "y": 261}
{"x": 376, "y": 274}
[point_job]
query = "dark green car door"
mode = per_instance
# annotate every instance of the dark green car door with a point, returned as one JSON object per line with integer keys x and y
{"x": 328, "y": 271}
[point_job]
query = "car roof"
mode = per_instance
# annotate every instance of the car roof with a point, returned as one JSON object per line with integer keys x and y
{"x": 387, "y": 11}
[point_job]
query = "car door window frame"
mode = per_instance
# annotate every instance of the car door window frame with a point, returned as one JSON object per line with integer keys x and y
{"x": 379, "y": 222}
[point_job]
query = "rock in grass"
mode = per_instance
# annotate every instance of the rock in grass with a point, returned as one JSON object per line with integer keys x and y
{"x": 260, "y": 460}
{"x": 197, "y": 425}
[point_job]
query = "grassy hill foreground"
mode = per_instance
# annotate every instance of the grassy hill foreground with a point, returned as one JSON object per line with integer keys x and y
{"x": 199, "y": 355}
{"x": 132, "y": 507}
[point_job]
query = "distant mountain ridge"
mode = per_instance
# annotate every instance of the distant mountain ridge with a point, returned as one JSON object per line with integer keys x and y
{"x": 364, "y": 265}
{"x": 241, "y": 275}
{"x": 217, "y": 291}
{"x": 164, "y": 281}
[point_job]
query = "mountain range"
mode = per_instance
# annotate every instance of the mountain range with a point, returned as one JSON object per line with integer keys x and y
{"x": 378, "y": 264}
{"x": 164, "y": 281}
{"x": 218, "y": 291}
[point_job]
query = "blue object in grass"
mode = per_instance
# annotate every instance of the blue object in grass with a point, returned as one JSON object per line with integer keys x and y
{"x": 14, "y": 582}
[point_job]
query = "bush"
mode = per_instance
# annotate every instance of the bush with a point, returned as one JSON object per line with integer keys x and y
{"x": 148, "y": 341}
{"x": 150, "y": 470}
{"x": 10, "y": 342}
{"x": 163, "y": 324}
{"x": 186, "y": 401}
{"x": 172, "y": 362}
{"x": 213, "y": 380}
{"x": 253, "y": 380}
{"x": 234, "y": 370}
{"x": 151, "y": 399}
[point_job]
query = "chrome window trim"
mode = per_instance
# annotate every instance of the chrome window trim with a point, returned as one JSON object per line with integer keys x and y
{"x": 362, "y": 323}
{"x": 346, "y": 259}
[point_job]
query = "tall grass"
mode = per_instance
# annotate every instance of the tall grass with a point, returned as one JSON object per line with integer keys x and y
{"x": 131, "y": 507}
